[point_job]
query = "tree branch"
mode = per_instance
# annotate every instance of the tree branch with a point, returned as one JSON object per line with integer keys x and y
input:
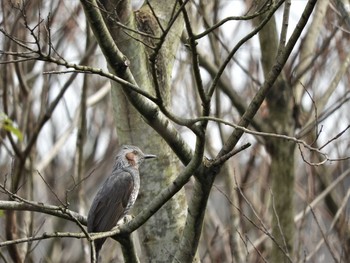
{"x": 57, "y": 211}
{"x": 116, "y": 61}
{"x": 270, "y": 80}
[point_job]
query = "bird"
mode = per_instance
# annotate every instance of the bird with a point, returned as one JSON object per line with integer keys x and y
{"x": 117, "y": 194}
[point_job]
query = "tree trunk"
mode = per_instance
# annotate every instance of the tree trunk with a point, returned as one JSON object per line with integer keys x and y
{"x": 282, "y": 210}
{"x": 280, "y": 120}
{"x": 159, "y": 236}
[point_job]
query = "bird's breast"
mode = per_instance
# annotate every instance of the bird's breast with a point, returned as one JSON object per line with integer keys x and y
{"x": 134, "y": 193}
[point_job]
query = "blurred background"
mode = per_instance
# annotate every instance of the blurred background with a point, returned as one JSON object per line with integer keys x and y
{"x": 67, "y": 157}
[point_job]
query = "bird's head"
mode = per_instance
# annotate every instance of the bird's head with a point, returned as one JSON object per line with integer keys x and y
{"x": 130, "y": 155}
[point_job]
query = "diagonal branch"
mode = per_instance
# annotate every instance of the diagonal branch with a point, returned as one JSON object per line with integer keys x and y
{"x": 270, "y": 79}
{"x": 239, "y": 44}
{"x": 116, "y": 61}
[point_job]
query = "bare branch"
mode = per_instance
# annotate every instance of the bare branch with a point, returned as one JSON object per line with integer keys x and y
{"x": 325, "y": 239}
{"x": 25, "y": 205}
{"x": 272, "y": 135}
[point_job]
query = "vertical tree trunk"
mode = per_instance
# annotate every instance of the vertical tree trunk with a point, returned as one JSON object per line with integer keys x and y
{"x": 280, "y": 120}
{"x": 160, "y": 234}
{"x": 282, "y": 210}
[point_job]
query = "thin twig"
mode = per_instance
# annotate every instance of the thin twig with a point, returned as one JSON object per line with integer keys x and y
{"x": 325, "y": 239}
{"x": 239, "y": 44}
{"x": 314, "y": 203}
{"x": 227, "y": 19}
{"x": 224, "y": 158}
{"x": 278, "y": 223}
{"x": 267, "y": 134}
{"x": 155, "y": 15}
{"x": 51, "y": 190}
{"x": 335, "y": 137}
{"x": 266, "y": 230}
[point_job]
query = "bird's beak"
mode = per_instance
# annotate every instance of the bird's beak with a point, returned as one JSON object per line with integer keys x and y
{"x": 149, "y": 156}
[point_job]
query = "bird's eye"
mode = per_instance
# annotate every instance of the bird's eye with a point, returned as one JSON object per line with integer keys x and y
{"x": 134, "y": 152}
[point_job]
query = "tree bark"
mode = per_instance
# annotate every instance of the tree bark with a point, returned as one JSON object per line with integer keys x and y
{"x": 280, "y": 119}
{"x": 160, "y": 234}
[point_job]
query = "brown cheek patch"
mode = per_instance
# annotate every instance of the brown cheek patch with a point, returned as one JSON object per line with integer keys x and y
{"x": 131, "y": 158}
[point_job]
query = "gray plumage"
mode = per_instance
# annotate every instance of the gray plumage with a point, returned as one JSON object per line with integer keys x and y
{"x": 118, "y": 193}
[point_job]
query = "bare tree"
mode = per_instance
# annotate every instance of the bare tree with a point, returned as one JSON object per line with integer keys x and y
{"x": 242, "y": 101}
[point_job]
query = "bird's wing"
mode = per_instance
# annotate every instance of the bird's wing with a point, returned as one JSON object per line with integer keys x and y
{"x": 109, "y": 204}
